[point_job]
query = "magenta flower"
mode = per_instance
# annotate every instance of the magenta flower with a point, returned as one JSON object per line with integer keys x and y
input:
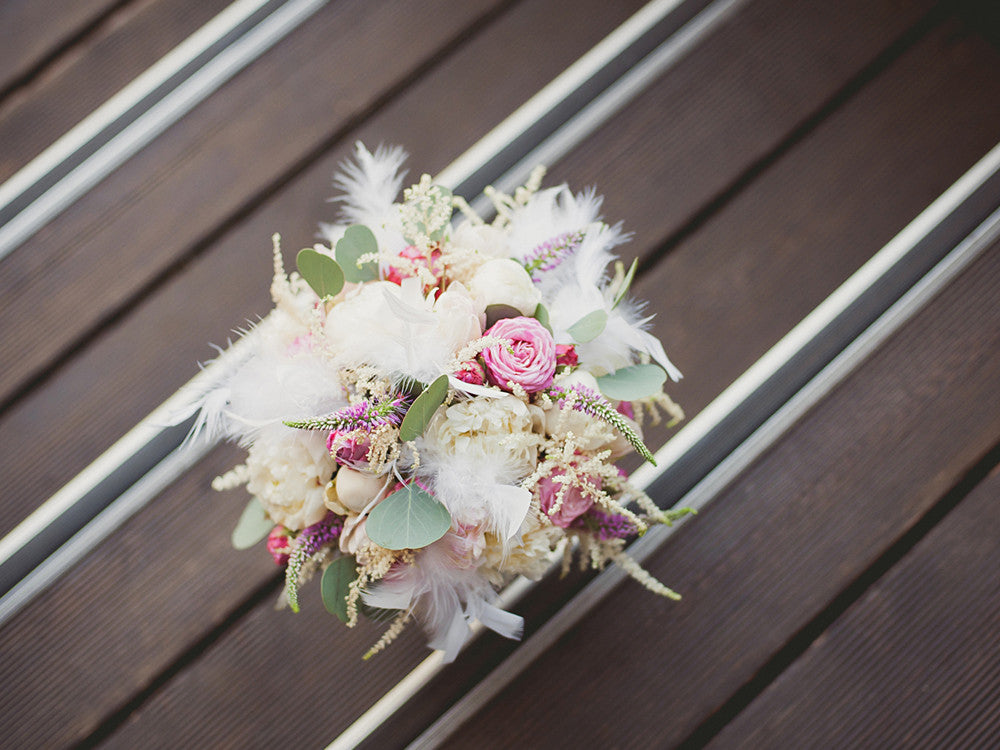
{"x": 529, "y": 362}
{"x": 471, "y": 372}
{"x": 566, "y": 355}
{"x": 351, "y": 450}
{"x": 277, "y": 545}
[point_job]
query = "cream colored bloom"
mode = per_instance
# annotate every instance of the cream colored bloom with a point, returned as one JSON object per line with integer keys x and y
{"x": 288, "y": 474}
{"x": 503, "y": 281}
{"x": 493, "y": 429}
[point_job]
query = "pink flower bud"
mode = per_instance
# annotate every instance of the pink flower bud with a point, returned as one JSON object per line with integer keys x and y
{"x": 471, "y": 372}
{"x": 277, "y": 545}
{"x": 347, "y": 450}
{"x": 566, "y": 355}
{"x": 410, "y": 252}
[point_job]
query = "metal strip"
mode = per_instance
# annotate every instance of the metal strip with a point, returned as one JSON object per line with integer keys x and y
{"x": 145, "y": 126}
{"x": 723, "y": 475}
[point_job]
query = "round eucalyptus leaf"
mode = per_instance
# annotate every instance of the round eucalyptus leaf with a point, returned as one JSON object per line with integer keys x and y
{"x": 253, "y": 526}
{"x": 589, "y": 327}
{"x": 320, "y": 271}
{"x": 631, "y": 383}
{"x": 410, "y": 518}
{"x": 357, "y": 241}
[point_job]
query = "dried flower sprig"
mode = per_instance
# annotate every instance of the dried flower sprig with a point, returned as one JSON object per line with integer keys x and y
{"x": 589, "y": 402}
{"x": 365, "y": 415}
{"x": 551, "y": 253}
{"x": 310, "y": 541}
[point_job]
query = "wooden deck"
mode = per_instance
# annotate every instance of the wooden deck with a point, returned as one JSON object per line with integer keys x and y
{"x": 842, "y": 590}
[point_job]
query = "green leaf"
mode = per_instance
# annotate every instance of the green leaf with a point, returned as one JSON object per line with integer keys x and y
{"x": 419, "y": 414}
{"x": 253, "y": 525}
{"x": 335, "y": 585}
{"x": 358, "y": 240}
{"x": 626, "y": 283}
{"x": 631, "y": 383}
{"x": 589, "y": 327}
{"x": 542, "y": 316}
{"x": 499, "y": 312}
{"x": 320, "y": 271}
{"x": 410, "y": 518}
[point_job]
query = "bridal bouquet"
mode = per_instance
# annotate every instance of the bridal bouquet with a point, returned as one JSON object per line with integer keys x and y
{"x": 434, "y": 407}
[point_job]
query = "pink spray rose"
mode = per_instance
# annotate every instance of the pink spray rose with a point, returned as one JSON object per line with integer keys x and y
{"x": 471, "y": 372}
{"x": 566, "y": 355}
{"x": 575, "y": 501}
{"x": 278, "y": 546}
{"x": 531, "y": 360}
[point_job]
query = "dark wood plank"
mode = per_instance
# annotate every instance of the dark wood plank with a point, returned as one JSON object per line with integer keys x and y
{"x": 32, "y": 33}
{"x": 229, "y": 288}
{"x": 914, "y": 663}
{"x": 160, "y": 206}
{"x": 84, "y": 78}
{"x": 183, "y": 707}
{"x": 773, "y": 549}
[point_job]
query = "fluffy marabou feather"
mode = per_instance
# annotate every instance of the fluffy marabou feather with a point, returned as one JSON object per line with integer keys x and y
{"x": 370, "y": 183}
{"x": 551, "y": 213}
{"x": 449, "y": 598}
{"x": 269, "y": 385}
{"x": 477, "y": 490}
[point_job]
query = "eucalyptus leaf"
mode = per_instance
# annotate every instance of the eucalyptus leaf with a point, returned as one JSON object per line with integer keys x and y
{"x": 626, "y": 283}
{"x": 542, "y": 316}
{"x": 358, "y": 240}
{"x": 253, "y": 526}
{"x": 418, "y": 416}
{"x": 499, "y": 312}
{"x": 320, "y": 271}
{"x": 631, "y": 383}
{"x": 335, "y": 585}
{"x": 410, "y": 518}
{"x": 589, "y": 327}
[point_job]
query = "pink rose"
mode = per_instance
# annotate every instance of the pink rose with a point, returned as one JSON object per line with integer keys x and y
{"x": 575, "y": 501}
{"x": 531, "y": 360}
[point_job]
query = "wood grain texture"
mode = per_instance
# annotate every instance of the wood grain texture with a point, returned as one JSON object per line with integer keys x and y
{"x": 205, "y": 711}
{"x": 438, "y": 118}
{"x": 914, "y": 663}
{"x": 159, "y": 207}
{"x": 768, "y": 554}
{"x": 82, "y": 80}
{"x": 32, "y": 32}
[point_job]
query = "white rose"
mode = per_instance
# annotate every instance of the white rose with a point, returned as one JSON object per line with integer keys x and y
{"x": 503, "y": 281}
{"x": 288, "y": 474}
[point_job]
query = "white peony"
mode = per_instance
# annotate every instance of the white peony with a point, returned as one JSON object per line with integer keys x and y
{"x": 503, "y": 281}
{"x": 496, "y": 430}
{"x": 288, "y": 474}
